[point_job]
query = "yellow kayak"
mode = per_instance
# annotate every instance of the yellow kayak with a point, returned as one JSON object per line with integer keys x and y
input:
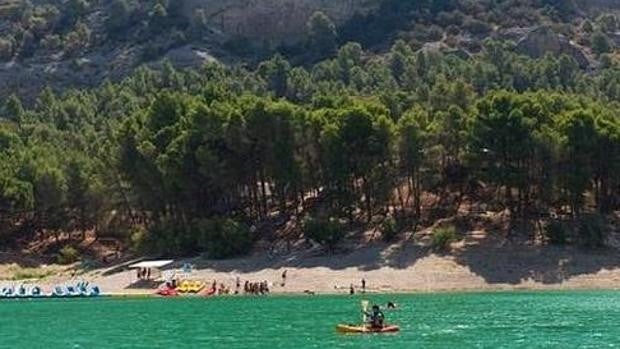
{"x": 190, "y": 286}
{"x": 366, "y": 329}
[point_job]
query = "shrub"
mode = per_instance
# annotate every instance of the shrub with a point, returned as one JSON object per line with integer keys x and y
{"x": 68, "y": 255}
{"x": 118, "y": 17}
{"x": 223, "y": 237}
{"x": 158, "y": 19}
{"x": 454, "y": 18}
{"x": 556, "y": 233}
{"x": 27, "y": 44}
{"x": 199, "y": 24}
{"x": 52, "y": 42}
{"x": 608, "y": 23}
{"x": 477, "y": 27}
{"x": 177, "y": 38}
{"x": 151, "y": 51}
{"x": 453, "y": 30}
{"x": 326, "y": 231}
{"x": 17, "y": 273}
{"x": 593, "y": 231}
{"x": 601, "y": 43}
{"x": 77, "y": 40}
{"x": 6, "y": 49}
{"x": 587, "y": 27}
{"x": 138, "y": 238}
{"x": 216, "y": 237}
{"x": 443, "y": 237}
{"x": 165, "y": 237}
{"x": 389, "y": 229}
{"x": 435, "y": 33}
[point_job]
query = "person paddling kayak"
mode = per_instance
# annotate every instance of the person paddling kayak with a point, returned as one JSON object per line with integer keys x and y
{"x": 372, "y": 322}
{"x": 375, "y": 317}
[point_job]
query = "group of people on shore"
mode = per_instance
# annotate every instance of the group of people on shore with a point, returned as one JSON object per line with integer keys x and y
{"x": 143, "y": 273}
{"x": 256, "y": 288}
{"x": 218, "y": 290}
{"x": 249, "y": 288}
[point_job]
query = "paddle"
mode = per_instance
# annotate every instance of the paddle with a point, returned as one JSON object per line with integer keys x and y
{"x": 364, "y": 310}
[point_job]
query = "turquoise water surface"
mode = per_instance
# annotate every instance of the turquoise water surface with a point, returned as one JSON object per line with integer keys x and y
{"x": 482, "y": 320}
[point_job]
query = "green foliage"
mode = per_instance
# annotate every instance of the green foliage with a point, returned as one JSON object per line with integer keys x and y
{"x": 502, "y": 139}
{"x": 138, "y": 240}
{"x": 556, "y": 233}
{"x": 176, "y": 156}
{"x": 593, "y": 231}
{"x": 326, "y": 231}
{"x": 77, "y": 40}
{"x": 275, "y": 72}
{"x": 223, "y": 237}
{"x": 74, "y": 9}
{"x": 322, "y": 35}
{"x": 199, "y": 24}
{"x": 601, "y": 43}
{"x": 18, "y": 273}
{"x": 68, "y": 255}
{"x": 389, "y": 229}
{"x": 118, "y": 18}
{"x": 36, "y": 28}
{"x": 13, "y": 110}
{"x": 477, "y": 27}
{"x": 442, "y": 238}
{"x": 608, "y": 23}
{"x": 6, "y": 49}
{"x": 158, "y": 18}
{"x": 587, "y": 27}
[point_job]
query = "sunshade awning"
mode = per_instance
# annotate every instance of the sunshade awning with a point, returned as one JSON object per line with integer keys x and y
{"x": 151, "y": 264}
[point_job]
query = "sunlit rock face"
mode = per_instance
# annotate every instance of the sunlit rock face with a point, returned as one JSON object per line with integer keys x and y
{"x": 599, "y": 5}
{"x": 273, "y": 20}
{"x": 543, "y": 40}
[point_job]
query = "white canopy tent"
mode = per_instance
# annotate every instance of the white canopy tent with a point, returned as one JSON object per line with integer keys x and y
{"x": 155, "y": 265}
{"x": 152, "y": 264}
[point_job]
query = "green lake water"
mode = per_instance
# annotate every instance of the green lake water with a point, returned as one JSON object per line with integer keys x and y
{"x": 489, "y": 320}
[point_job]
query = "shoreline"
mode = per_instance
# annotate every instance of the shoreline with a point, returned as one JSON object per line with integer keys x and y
{"x": 387, "y": 269}
{"x": 133, "y": 295}
{"x": 371, "y": 294}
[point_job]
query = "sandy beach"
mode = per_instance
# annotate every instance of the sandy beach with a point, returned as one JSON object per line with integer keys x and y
{"x": 477, "y": 263}
{"x": 392, "y": 269}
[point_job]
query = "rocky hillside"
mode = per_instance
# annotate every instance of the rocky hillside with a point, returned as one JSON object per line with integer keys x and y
{"x": 81, "y": 43}
{"x": 598, "y": 6}
{"x": 274, "y": 20}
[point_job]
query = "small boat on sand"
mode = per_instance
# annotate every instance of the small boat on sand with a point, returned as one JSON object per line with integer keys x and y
{"x": 79, "y": 290}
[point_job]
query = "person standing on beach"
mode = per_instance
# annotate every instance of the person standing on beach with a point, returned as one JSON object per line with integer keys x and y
{"x": 363, "y": 285}
{"x": 351, "y": 290}
{"x": 284, "y": 278}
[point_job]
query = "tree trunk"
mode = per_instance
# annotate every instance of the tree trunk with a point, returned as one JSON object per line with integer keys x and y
{"x": 263, "y": 184}
{"x": 418, "y": 194}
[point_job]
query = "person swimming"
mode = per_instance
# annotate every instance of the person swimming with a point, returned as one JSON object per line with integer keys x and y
{"x": 391, "y": 305}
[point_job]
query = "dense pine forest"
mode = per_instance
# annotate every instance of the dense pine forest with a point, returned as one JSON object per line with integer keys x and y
{"x": 337, "y": 137}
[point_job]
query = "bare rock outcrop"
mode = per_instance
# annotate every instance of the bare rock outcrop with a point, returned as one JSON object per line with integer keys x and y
{"x": 27, "y": 79}
{"x": 542, "y": 40}
{"x": 274, "y": 20}
{"x": 598, "y": 5}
